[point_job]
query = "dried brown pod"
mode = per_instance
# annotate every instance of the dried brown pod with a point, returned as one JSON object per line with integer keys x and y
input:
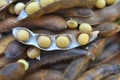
{"x": 113, "y": 77}
{"x": 49, "y": 57}
{"x": 78, "y": 66}
{"x": 108, "y": 29}
{"x": 75, "y": 12}
{"x": 107, "y": 14}
{"x": 61, "y": 4}
{"x": 100, "y": 72}
{"x": 50, "y": 22}
{"x": 13, "y": 71}
{"x": 59, "y": 66}
{"x": 6, "y": 3}
{"x": 111, "y": 48}
{"x": 4, "y": 61}
{"x": 4, "y": 42}
{"x": 45, "y": 75}
{"x": 15, "y": 49}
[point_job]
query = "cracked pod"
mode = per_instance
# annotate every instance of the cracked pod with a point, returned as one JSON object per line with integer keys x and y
{"x": 71, "y": 35}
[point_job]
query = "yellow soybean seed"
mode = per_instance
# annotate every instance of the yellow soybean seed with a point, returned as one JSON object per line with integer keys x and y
{"x": 85, "y": 28}
{"x": 72, "y": 24}
{"x": 83, "y": 39}
{"x": 11, "y": 9}
{"x": 19, "y": 7}
{"x": 26, "y": 64}
{"x": 45, "y": 3}
{"x": 62, "y": 41}
{"x": 3, "y": 3}
{"x": 33, "y": 52}
{"x": 110, "y": 2}
{"x": 32, "y": 8}
{"x": 44, "y": 41}
{"x": 100, "y": 3}
{"x": 23, "y": 35}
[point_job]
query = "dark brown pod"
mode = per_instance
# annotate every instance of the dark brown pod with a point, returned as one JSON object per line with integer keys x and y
{"x": 15, "y": 50}
{"x": 75, "y": 12}
{"x": 78, "y": 66}
{"x": 13, "y": 71}
{"x": 111, "y": 48}
{"x": 108, "y": 29}
{"x": 107, "y": 14}
{"x": 50, "y": 57}
{"x": 45, "y": 75}
{"x": 60, "y": 66}
{"x": 61, "y": 4}
{"x": 113, "y": 77}
{"x": 100, "y": 72}
{"x": 50, "y": 22}
{"x": 4, "y": 61}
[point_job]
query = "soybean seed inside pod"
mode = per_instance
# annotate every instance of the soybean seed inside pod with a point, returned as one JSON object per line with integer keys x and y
{"x": 33, "y": 52}
{"x": 100, "y": 3}
{"x": 23, "y": 35}
{"x": 72, "y": 24}
{"x": 45, "y": 3}
{"x": 62, "y": 41}
{"x": 26, "y": 64}
{"x": 83, "y": 39}
{"x": 32, "y": 8}
{"x": 85, "y": 28}
{"x": 18, "y": 7}
{"x": 3, "y": 3}
{"x": 44, "y": 41}
{"x": 110, "y": 2}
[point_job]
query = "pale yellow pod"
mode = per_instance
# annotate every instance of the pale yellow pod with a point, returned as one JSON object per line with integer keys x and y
{"x": 62, "y": 41}
{"x": 83, "y": 39}
{"x": 100, "y": 4}
{"x": 23, "y": 35}
{"x": 44, "y": 41}
{"x": 45, "y": 3}
{"x": 32, "y": 8}
{"x": 85, "y": 28}
{"x": 110, "y": 2}
{"x": 26, "y": 64}
{"x": 11, "y": 9}
{"x": 33, "y": 52}
{"x": 19, "y": 7}
{"x": 72, "y": 24}
{"x": 3, "y": 3}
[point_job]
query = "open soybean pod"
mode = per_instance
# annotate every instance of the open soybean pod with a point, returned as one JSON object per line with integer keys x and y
{"x": 73, "y": 38}
{"x": 12, "y": 9}
{"x": 45, "y": 75}
{"x": 52, "y": 6}
{"x": 5, "y": 3}
{"x": 13, "y": 71}
{"x": 107, "y": 14}
{"x": 100, "y": 72}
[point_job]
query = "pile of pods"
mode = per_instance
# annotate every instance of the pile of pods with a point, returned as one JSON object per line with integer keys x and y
{"x": 59, "y": 39}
